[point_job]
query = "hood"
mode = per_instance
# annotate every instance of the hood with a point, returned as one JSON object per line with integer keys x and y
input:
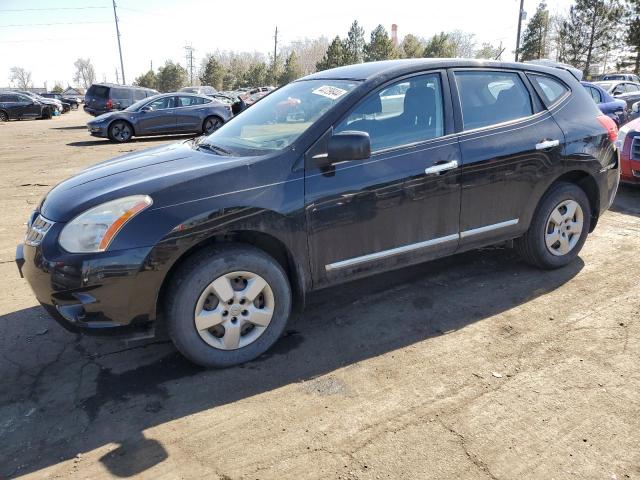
{"x": 158, "y": 172}
{"x": 108, "y": 115}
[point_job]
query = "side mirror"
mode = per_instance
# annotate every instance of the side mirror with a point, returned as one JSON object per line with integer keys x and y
{"x": 146, "y": 108}
{"x": 616, "y": 92}
{"x": 349, "y": 146}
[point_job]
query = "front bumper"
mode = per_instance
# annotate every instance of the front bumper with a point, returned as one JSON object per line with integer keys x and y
{"x": 98, "y": 130}
{"x": 106, "y": 293}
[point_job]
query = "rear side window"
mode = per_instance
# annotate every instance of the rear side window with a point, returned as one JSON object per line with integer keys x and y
{"x": 120, "y": 94}
{"x": 139, "y": 95}
{"x": 595, "y": 94}
{"x": 403, "y": 113}
{"x": 98, "y": 91}
{"x": 188, "y": 101}
{"x": 489, "y": 98}
{"x": 551, "y": 89}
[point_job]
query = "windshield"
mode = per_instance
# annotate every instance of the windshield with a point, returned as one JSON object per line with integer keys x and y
{"x": 134, "y": 107}
{"x": 278, "y": 119}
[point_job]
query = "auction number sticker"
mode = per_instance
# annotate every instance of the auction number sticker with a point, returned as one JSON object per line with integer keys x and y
{"x": 330, "y": 92}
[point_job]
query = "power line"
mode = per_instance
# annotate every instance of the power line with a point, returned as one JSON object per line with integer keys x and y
{"x": 47, "y": 24}
{"x": 45, "y": 9}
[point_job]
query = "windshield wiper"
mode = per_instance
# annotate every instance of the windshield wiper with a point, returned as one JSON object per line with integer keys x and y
{"x": 214, "y": 148}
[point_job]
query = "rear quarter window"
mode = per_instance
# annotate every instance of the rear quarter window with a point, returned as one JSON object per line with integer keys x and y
{"x": 550, "y": 89}
{"x": 121, "y": 94}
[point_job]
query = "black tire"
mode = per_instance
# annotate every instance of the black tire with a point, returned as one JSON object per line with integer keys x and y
{"x": 211, "y": 124}
{"x": 4, "y": 117}
{"x": 191, "y": 279}
{"x": 46, "y": 113}
{"x": 532, "y": 246}
{"x": 120, "y": 131}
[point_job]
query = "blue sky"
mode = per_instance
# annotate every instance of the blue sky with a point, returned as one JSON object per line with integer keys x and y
{"x": 47, "y": 42}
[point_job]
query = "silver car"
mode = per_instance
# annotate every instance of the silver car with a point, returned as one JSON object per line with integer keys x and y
{"x": 167, "y": 113}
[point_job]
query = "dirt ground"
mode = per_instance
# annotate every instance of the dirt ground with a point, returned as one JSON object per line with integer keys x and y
{"x": 475, "y": 366}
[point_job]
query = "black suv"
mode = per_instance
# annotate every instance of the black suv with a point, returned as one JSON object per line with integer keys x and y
{"x": 17, "y": 106}
{"x": 339, "y": 175}
{"x": 106, "y": 97}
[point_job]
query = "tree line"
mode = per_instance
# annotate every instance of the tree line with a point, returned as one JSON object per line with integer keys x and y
{"x": 592, "y": 32}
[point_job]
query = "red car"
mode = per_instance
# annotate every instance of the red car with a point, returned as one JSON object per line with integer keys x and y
{"x": 628, "y": 144}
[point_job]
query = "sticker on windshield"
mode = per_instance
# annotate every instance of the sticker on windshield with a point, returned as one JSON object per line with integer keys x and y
{"x": 330, "y": 92}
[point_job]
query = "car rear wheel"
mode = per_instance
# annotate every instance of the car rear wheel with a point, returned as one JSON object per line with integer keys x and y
{"x": 120, "y": 131}
{"x": 211, "y": 124}
{"x": 227, "y": 306}
{"x": 4, "y": 117}
{"x": 559, "y": 228}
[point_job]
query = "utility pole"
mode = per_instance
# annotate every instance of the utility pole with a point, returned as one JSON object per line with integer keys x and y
{"x": 275, "y": 55}
{"x": 151, "y": 66}
{"x": 189, "y": 49}
{"x": 117, "y": 77}
{"x": 115, "y": 16}
{"x": 520, "y": 15}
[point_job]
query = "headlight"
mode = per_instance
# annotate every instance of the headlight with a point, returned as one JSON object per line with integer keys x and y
{"x": 93, "y": 230}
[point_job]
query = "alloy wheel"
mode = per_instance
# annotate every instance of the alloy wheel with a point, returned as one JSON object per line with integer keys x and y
{"x": 211, "y": 125}
{"x": 3, "y": 117}
{"x": 234, "y": 310}
{"x": 564, "y": 227}
{"x": 121, "y": 131}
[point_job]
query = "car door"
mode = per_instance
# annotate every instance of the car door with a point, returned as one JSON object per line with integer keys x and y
{"x": 189, "y": 115}
{"x": 27, "y": 106}
{"x": 509, "y": 143}
{"x": 157, "y": 116}
{"x": 402, "y": 205}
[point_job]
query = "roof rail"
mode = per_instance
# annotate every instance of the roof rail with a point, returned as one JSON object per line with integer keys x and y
{"x": 545, "y": 62}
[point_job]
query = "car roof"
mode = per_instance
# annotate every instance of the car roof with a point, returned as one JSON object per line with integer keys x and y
{"x": 107, "y": 84}
{"x": 370, "y": 70}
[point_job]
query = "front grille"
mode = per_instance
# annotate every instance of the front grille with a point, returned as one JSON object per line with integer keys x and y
{"x": 36, "y": 230}
{"x": 635, "y": 148}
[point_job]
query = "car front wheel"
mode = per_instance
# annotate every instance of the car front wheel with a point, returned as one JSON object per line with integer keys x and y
{"x": 120, "y": 131}
{"x": 227, "y": 306}
{"x": 558, "y": 229}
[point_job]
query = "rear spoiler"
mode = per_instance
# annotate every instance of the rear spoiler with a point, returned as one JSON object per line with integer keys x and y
{"x": 545, "y": 62}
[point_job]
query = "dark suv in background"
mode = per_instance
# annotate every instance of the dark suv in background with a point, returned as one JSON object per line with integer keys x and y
{"x": 106, "y": 97}
{"x": 342, "y": 174}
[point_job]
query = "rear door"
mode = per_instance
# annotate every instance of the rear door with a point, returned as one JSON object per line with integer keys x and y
{"x": 509, "y": 143}
{"x": 189, "y": 113}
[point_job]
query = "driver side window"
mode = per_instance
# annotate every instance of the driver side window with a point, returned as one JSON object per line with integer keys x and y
{"x": 161, "y": 103}
{"x": 403, "y": 113}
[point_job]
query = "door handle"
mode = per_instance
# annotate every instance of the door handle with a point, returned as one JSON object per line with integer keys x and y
{"x": 546, "y": 144}
{"x": 441, "y": 167}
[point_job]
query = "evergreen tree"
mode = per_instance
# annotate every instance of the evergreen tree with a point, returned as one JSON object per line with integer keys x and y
{"x": 257, "y": 75}
{"x": 380, "y": 47}
{"x": 590, "y": 32}
{"x": 535, "y": 43}
{"x": 439, "y": 46}
{"x": 292, "y": 69}
{"x": 412, "y": 46}
{"x": 147, "y": 80}
{"x": 632, "y": 38}
{"x": 334, "y": 56}
{"x": 171, "y": 77}
{"x": 354, "y": 44}
{"x": 57, "y": 88}
{"x": 212, "y": 73}
{"x": 489, "y": 52}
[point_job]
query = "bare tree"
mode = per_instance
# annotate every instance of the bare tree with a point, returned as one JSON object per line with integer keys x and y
{"x": 21, "y": 77}
{"x": 85, "y": 73}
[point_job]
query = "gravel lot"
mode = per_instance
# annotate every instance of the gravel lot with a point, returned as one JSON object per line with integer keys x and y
{"x": 476, "y": 366}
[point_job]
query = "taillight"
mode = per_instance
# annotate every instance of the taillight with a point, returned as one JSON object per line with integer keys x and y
{"x": 110, "y": 104}
{"x": 610, "y": 126}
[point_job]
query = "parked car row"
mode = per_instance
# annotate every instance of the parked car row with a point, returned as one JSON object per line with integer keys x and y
{"x": 21, "y": 105}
